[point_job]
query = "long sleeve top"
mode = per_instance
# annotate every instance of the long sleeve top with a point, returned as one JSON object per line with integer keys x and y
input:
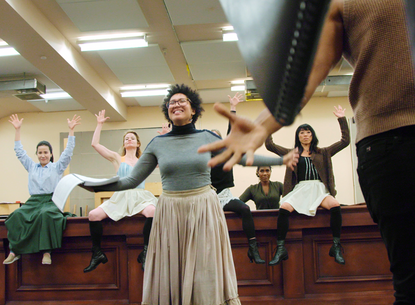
{"x": 264, "y": 201}
{"x": 43, "y": 180}
{"x": 321, "y": 160}
{"x": 181, "y": 166}
{"x": 220, "y": 179}
{"x": 376, "y": 44}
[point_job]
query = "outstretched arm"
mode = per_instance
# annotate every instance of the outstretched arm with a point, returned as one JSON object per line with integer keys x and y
{"x": 14, "y": 120}
{"x": 76, "y": 120}
{"x": 344, "y": 127}
{"x": 66, "y": 155}
{"x": 234, "y": 101}
{"x": 21, "y": 154}
{"x": 108, "y": 154}
{"x": 247, "y": 136}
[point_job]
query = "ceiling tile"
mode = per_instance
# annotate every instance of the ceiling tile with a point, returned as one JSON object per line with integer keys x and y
{"x": 214, "y": 60}
{"x": 216, "y": 95}
{"x": 14, "y": 65}
{"x": 195, "y": 11}
{"x": 104, "y": 15}
{"x": 57, "y": 105}
{"x": 138, "y": 66}
{"x": 150, "y": 101}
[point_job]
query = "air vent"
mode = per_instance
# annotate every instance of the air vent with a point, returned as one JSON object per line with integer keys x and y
{"x": 251, "y": 92}
{"x": 28, "y": 94}
{"x": 24, "y": 89}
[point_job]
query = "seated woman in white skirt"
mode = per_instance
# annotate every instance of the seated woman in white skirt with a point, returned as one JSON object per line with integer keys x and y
{"x": 311, "y": 184}
{"x": 122, "y": 204}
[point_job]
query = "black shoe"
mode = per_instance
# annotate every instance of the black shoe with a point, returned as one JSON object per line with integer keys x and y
{"x": 280, "y": 255}
{"x": 337, "y": 251}
{"x": 253, "y": 253}
{"x": 97, "y": 258}
{"x": 142, "y": 257}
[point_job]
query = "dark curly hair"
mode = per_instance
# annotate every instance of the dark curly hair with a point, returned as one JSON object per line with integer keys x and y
{"x": 192, "y": 95}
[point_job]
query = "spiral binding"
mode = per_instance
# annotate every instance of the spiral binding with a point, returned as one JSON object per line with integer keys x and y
{"x": 304, "y": 41}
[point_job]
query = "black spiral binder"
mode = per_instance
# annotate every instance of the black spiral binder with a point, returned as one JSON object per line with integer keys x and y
{"x": 278, "y": 40}
{"x": 299, "y": 60}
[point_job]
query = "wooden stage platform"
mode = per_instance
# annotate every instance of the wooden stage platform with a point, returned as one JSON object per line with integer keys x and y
{"x": 308, "y": 277}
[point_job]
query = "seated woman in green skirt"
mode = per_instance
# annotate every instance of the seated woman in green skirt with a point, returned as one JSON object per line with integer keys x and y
{"x": 37, "y": 226}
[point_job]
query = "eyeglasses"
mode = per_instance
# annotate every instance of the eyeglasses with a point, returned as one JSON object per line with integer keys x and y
{"x": 179, "y": 102}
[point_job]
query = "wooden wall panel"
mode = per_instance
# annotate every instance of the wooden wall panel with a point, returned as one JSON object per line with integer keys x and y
{"x": 308, "y": 277}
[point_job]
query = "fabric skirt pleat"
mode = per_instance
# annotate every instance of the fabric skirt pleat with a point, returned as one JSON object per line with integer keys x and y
{"x": 36, "y": 226}
{"x": 128, "y": 203}
{"x": 189, "y": 258}
{"x": 306, "y": 196}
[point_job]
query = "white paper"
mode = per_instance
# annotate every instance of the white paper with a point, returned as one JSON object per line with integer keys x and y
{"x": 67, "y": 184}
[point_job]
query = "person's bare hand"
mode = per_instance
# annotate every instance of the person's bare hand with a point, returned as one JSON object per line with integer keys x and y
{"x": 165, "y": 128}
{"x": 101, "y": 118}
{"x": 76, "y": 120}
{"x": 339, "y": 111}
{"x": 244, "y": 139}
{"x": 238, "y": 98}
{"x": 14, "y": 120}
{"x": 291, "y": 159}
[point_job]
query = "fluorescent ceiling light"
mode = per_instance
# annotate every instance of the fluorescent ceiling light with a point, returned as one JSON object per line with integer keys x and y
{"x": 143, "y": 87}
{"x": 229, "y": 34}
{"x": 159, "y": 92}
{"x": 238, "y": 88}
{"x": 113, "y": 45}
{"x": 111, "y": 36}
{"x": 112, "y": 42}
{"x": 238, "y": 82}
{"x": 55, "y": 96}
{"x": 230, "y": 37}
{"x": 227, "y": 28}
{"x": 6, "y": 50}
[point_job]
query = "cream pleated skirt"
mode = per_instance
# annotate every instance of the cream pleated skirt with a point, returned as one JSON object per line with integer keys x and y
{"x": 306, "y": 196}
{"x": 189, "y": 258}
{"x": 128, "y": 203}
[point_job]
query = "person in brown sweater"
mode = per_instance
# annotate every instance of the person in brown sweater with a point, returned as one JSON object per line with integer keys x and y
{"x": 373, "y": 36}
{"x": 310, "y": 184}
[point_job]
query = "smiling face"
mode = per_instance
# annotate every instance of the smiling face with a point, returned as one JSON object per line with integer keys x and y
{"x": 43, "y": 155}
{"x": 264, "y": 173}
{"x": 180, "y": 112}
{"x": 305, "y": 137}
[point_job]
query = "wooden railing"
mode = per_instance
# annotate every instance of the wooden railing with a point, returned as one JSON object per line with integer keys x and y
{"x": 308, "y": 277}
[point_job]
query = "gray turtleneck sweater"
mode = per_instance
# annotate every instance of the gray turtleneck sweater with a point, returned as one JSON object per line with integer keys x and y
{"x": 181, "y": 166}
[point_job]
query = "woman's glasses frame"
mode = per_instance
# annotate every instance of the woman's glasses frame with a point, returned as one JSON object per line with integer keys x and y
{"x": 180, "y": 102}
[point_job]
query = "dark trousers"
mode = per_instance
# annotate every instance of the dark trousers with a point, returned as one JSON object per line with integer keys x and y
{"x": 242, "y": 209}
{"x": 386, "y": 168}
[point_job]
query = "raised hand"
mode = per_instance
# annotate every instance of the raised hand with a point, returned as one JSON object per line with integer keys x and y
{"x": 101, "y": 117}
{"x": 76, "y": 120}
{"x": 165, "y": 128}
{"x": 14, "y": 119}
{"x": 291, "y": 159}
{"x": 245, "y": 137}
{"x": 339, "y": 111}
{"x": 238, "y": 98}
